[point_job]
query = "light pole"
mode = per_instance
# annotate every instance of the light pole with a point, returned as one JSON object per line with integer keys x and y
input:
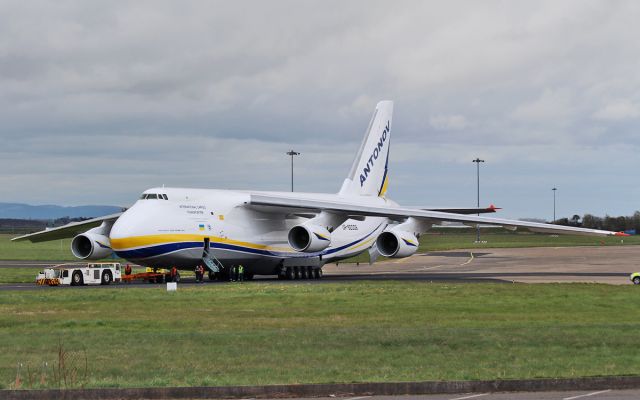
{"x": 292, "y": 153}
{"x": 478, "y": 161}
{"x": 554, "y": 205}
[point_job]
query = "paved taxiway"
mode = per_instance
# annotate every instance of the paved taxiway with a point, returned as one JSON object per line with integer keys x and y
{"x": 600, "y": 264}
{"x": 611, "y": 265}
{"x": 570, "y": 395}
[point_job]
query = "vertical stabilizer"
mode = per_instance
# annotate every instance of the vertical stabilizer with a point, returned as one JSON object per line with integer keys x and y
{"x": 368, "y": 176}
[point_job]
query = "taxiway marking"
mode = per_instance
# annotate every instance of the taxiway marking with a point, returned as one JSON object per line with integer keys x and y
{"x": 587, "y": 395}
{"x": 471, "y": 396}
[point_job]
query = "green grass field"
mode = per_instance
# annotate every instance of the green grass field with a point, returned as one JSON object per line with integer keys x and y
{"x": 253, "y": 333}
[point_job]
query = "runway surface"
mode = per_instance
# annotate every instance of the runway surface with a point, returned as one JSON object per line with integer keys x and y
{"x": 570, "y": 395}
{"x": 610, "y": 265}
{"x": 599, "y": 264}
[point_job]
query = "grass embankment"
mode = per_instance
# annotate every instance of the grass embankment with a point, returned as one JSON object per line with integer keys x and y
{"x": 301, "y": 333}
{"x": 59, "y": 250}
{"x": 443, "y": 240}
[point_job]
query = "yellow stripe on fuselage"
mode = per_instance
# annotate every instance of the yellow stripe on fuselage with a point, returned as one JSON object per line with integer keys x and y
{"x": 154, "y": 240}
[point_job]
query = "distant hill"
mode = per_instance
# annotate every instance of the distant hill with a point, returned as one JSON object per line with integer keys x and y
{"x": 26, "y": 211}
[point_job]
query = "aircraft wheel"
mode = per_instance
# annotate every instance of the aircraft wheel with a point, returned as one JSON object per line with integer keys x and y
{"x": 303, "y": 272}
{"x": 289, "y": 273}
{"x": 296, "y": 273}
{"x": 310, "y": 272}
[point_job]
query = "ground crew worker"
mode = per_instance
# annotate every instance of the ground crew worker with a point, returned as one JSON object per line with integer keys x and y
{"x": 201, "y": 271}
{"x": 127, "y": 269}
{"x": 240, "y": 273}
{"x": 174, "y": 273}
{"x": 197, "y": 272}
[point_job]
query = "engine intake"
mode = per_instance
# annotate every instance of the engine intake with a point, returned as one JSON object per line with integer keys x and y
{"x": 397, "y": 244}
{"x": 91, "y": 246}
{"x": 309, "y": 238}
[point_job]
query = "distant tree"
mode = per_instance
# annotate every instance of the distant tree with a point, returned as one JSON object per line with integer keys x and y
{"x": 592, "y": 222}
{"x": 562, "y": 221}
{"x": 575, "y": 220}
{"x": 636, "y": 221}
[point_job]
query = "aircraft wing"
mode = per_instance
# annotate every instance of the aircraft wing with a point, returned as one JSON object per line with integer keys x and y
{"x": 486, "y": 210}
{"x": 66, "y": 231}
{"x": 353, "y": 209}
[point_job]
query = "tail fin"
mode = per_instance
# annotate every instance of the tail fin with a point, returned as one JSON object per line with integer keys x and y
{"x": 368, "y": 176}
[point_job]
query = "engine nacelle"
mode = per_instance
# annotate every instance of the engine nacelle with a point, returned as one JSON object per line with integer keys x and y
{"x": 91, "y": 246}
{"x": 309, "y": 238}
{"x": 397, "y": 244}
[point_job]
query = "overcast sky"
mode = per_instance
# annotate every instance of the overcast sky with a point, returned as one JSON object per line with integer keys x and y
{"x": 102, "y": 100}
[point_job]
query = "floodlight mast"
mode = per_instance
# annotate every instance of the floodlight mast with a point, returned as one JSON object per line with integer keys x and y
{"x": 554, "y": 205}
{"x": 478, "y": 161}
{"x": 292, "y": 154}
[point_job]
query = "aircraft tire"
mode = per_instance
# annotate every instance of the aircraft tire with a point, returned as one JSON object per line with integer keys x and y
{"x": 296, "y": 273}
{"x": 316, "y": 273}
{"x": 310, "y": 272}
{"x": 303, "y": 272}
{"x": 289, "y": 273}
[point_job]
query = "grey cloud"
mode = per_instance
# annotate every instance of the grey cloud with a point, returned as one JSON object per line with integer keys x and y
{"x": 127, "y": 95}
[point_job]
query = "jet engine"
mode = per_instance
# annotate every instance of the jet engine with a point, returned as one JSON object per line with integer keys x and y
{"x": 397, "y": 243}
{"x": 91, "y": 245}
{"x": 309, "y": 238}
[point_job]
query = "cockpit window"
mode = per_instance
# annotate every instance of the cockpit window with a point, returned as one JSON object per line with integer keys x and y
{"x": 147, "y": 196}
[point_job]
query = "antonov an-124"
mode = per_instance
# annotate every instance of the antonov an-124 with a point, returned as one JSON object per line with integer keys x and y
{"x": 291, "y": 235}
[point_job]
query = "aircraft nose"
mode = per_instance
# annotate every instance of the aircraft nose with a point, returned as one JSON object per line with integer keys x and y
{"x": 130, "y": 223}
{"x": 131, "y": 232}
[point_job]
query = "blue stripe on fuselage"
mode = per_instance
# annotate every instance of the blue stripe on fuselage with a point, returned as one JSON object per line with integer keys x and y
{"x": 158, "y": 250}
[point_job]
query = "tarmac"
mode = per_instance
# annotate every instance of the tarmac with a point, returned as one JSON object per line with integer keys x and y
{"x": 607, "y": 394}
{"x": 593, "y": 264}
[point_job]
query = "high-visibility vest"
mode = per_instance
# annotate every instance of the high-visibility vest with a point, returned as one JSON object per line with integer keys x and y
{"x": 241, "y": 269}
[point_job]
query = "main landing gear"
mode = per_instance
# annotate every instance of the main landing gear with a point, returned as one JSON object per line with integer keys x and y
{"x": 293, "y": 273}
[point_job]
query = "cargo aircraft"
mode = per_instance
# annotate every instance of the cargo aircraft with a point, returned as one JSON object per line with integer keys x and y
{"x": 291, "y": 235}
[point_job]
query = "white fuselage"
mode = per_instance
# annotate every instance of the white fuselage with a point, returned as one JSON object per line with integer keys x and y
{"x": 175, "y": 227}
